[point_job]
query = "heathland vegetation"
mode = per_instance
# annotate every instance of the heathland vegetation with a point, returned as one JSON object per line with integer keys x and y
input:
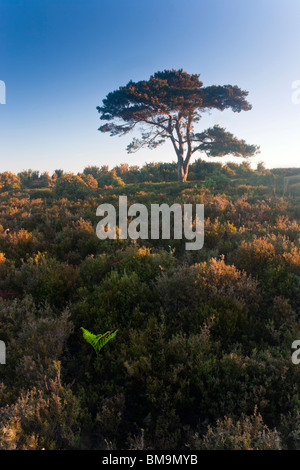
{"x": 202, "y": 356}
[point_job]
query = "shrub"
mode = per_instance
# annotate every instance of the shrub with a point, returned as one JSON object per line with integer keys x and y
{"x": 41, "y": 420}
{"x": 256, "y": 255}
{"x": 249, "y": 433}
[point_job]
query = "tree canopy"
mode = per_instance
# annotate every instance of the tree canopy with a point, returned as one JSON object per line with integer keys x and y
{"x": 167, "y": 107}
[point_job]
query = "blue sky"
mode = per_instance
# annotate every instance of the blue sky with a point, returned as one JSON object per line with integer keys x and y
{"x": 59, "y": 59}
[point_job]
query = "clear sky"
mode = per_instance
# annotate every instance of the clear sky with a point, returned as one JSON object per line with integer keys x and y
{"x": 59, "y": 59}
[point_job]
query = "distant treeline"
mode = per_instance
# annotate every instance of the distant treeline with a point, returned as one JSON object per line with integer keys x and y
{"x": 213, "y": 174}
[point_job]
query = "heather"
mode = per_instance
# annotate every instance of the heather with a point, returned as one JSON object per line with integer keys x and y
{"x": 202, "y": 356}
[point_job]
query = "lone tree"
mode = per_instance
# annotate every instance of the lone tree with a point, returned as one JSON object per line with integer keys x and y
{"x": 168, "y": 106}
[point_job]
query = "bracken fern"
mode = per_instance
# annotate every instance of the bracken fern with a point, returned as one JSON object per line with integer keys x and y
{"x": 98, "y": 341}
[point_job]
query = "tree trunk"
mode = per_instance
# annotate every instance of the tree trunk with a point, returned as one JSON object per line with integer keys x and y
{"x": 182, "y": 171}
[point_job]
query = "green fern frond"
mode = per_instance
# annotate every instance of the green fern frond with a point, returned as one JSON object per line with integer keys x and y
{"x": 98, "y": 341}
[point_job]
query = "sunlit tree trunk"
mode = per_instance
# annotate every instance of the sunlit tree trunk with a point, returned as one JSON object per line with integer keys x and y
{"x": 183, "y": 160}
{"x": 182, "y": 172}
